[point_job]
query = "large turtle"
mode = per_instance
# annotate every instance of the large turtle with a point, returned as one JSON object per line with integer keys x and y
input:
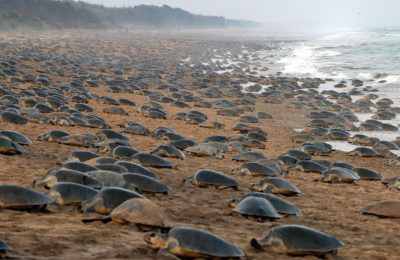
{"x": 143, "y": 213}
{"x": 193, "y": 243}
{"x": 8, "y": 147}
{"x": 107, "y": 199}
{"x": 256, "y": 208}
{"x": 256, "y": 169}
{"x": 150, "y": 160}
{"x": 207, "y": 177}
{"x": 275, "y": 185}
{"x": 82, "y": 156}
{"x": 249, "y": 157}
{"x": 386, "y": 209}
{"x": 69, "y": 193}
{"x": 16, "y": 137}
{"x": 337, "y": 175}
{"x": 205, "y": 149}
{"x": 309, "y": 166}
{"x": 21, "y": 198}
{"x": 168, "y": 151}
{"x": 367, "y": 174}
{"x": 298, "y": 240}
{"x": 136, "y": 168}
{"x": 281, "y": 205}
{"x": 110, "y": 179}
{"x": 66, "y": 175}
{"x": 145, "y": 183}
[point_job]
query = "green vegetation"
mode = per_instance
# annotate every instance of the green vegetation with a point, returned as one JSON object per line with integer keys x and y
{"x": 46, "y": 14}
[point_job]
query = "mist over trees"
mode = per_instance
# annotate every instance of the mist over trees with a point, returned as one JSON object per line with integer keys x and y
{"x": 68, "y": 14}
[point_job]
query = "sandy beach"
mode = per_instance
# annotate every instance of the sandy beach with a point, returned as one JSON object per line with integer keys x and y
{"x": 60, "y": 233}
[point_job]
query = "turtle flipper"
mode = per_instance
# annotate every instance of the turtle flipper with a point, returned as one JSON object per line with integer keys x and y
{"x": 254, "y": 243}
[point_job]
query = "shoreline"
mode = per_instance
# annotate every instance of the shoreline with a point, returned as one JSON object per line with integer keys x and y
{"x": 332, "y": 208}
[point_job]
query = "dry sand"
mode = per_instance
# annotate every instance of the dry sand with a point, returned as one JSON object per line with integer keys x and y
{"x": 335, "y": 209}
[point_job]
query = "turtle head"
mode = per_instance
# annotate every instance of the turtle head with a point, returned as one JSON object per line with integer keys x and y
{"x": 156, "y": 240}
{"x": 46, "y": 182}
{"x": 232, "y": 202}
{"x": 56, "y": 196}
{"x": 256, "y": 187}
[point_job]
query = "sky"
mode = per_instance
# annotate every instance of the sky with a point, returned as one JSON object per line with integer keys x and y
{"x": 288, "y": 13}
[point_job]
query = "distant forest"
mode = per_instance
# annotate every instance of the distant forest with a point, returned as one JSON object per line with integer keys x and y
{"x": 68, "y": 14}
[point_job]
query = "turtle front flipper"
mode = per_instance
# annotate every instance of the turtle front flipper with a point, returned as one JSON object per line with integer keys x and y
{"x": 256, "y": 244}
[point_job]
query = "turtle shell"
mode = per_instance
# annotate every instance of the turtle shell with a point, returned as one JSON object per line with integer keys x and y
{"x": 203, "y": 242}
{"x": 145, "y": 184}
{"x": 256, "y": 207}
{"x": 207, "y": 177}
{"x": 68, "y": 193}
{"x": 8, "y": 147}
{"x": 18, "y": 197}
{"x": 386, "y": 208}
{"x": 152, "y": 160}
{"x": 281, "y": 205}
{"x": 16, "y": 137}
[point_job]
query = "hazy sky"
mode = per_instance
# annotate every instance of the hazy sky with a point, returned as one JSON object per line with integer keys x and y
{"x": 292, "y": 13}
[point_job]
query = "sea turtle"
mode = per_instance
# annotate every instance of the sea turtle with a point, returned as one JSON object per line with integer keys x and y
{"x": 275, "y": 185}
{"x": 298, "y": 240}
{"x": 256, "y": 169}
{"x": 168, "y": 151}
{"x": 111, "y": 167}
{"x": 107, "y": 199}
{"x": 136, "y": 168}
{"x": 53, "y": 135}
{"x": 123, "y": 152}
{"x": 281, "y": 205}
{"x": 110, "y": 179}
{"x": 206, "y": 149}
{"x": 207, "y": 177}
{"x": 12, "y": 117}
{"x": 367, "y": 174}
{"x": 107, "y": 134}
{"x": 101, "y": 160}
{"x": 150, "y": 160}
{"x": 182, "y": 144}
{"x": 16, "y": 137}
{"x": 348, "y": 166}
{"x": 115, "y": 110}
{"x": 337, "y": 175}
{"x": 66, "y": 175}
{"x": 137, "y": 129}
{"x": 364, "y": 152}
{"x": 20, "y": 198}
{"x": 287, "y": 160}
{"x": 257, "y": 208}
{"x": 69, "y": 193}
{"x": 249, "y": 157}
{"x": 392, "y": 183}
{"x": 83, "y": 140}
{"x": 309, "y": 166}
{"x": 386, "y": 209}
{"x": 300, "y": 155}
{"x": 193, "y": 243}
{"x": 82, "y": 156}
{"x": 8, "y": 147}
{"x": 79, "y": 166}
{"x": 143, "y": 213}
{"x": 145, "y": 184}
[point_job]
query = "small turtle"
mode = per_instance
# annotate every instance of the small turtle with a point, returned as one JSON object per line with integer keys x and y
{"x": 107, "y": 199}
{"x": 67, "y": 175}
{"x": 386, "y": 209}
{"x": 20, "y": 198}
{"x": 281, "y": 205}
{"x": 193, "y": 243}
{"x": 256, "y": 169}
{"x": 364, "y": 152}
{"x": 136, "y": 168}
{"x": 249, "y": 157}
{"x": 53, "y": 135}
{"x": 16, "y": 137}
{"x": 206, "y": 177}
{"x": 275, "y": 185}
{"x": 68, "y": 193}
{"x": 145, "y": 184}
{"x": 168, "y": 151}
{"x": 137, "y": 129}
{"x": 298, "y": 240}
{"x": 337, "y": 175}
{"x": 257, "y": 208}
{"x": 309, "y": 166}
{"x": 8, "y": 147}
{"x": 367, "y": 174}
{"x": 150, "y": 160}
{"x": 143, "y": 213}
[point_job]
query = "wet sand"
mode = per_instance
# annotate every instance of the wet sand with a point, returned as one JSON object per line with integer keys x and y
{"x": 60, "y": 234}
